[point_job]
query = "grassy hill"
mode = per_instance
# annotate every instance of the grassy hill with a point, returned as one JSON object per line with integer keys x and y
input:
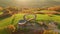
{"x": 15, "y": 18}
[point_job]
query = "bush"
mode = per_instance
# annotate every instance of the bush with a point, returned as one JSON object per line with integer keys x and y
{"x": 11, "y": 28}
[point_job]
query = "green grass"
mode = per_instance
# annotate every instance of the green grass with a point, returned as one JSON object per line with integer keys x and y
{"x": 15, "y": 18}
{"x": 1, "y": 12}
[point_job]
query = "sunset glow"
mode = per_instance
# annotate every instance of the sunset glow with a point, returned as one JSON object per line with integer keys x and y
{"x": 22, "y": 0}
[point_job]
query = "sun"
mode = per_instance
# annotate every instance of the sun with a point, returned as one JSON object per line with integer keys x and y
{"x": 22, "y": 0}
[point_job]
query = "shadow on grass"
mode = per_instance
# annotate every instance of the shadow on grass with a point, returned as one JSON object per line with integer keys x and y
{"x": 4, "y": 17}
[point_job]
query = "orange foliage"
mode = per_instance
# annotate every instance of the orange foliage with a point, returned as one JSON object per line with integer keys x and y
{"x": 54, "y": 8}
{"x": 49, "y": 32}
{"x": 11, "y": 28}
{"x": 1, "y": 8}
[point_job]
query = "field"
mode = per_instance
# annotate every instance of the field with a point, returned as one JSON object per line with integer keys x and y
{"x": 7, "y": 21}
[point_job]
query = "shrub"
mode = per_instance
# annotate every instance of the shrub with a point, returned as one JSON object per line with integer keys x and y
{"x": 11, "y": 28}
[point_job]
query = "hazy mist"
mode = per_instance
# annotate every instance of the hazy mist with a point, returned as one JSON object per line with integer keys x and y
{"x": 29, "y": 3}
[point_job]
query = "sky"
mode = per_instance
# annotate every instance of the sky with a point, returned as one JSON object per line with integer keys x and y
{"x": 29, "y": 3}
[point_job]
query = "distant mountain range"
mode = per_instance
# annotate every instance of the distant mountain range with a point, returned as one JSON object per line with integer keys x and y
{"x": 31, "y": 3}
